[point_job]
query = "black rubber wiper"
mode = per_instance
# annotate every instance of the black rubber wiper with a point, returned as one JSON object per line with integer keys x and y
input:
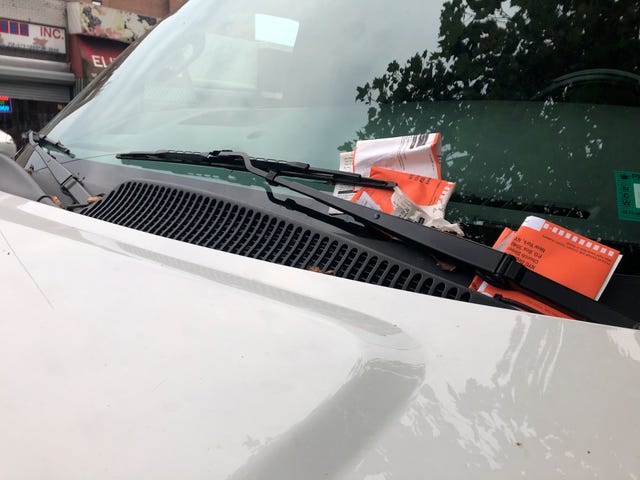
{"x": 494, "y": 266}
{"x": 69, "y": 183}
{"x": 228, "y": 159}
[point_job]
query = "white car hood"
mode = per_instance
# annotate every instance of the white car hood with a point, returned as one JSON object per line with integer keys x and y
{"x": 128, "y": 356}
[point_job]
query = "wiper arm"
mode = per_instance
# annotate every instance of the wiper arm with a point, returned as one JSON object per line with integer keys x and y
{"x": 496, "y": 267}
{"x": 220, "y": 158}
{"x": 69, "y": 183}
{"x": 35, "y": 137}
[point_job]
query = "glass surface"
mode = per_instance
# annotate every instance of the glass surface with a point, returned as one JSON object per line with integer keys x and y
{"x": 537, "y": 101}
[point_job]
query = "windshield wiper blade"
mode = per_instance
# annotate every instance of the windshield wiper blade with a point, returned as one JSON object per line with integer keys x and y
{"x": 219, "y": 158}
{"x": 68, "y": 182}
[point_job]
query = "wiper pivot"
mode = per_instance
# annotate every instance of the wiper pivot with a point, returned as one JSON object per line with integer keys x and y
{"x": 69, "y": 183}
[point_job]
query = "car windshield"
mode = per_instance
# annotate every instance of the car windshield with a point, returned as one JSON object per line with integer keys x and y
{"x": 537, "y": 102}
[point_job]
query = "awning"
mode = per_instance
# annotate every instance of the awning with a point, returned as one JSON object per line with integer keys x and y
{"x": 21, "y": 74}
{"x": 30, "y": 81}
{"x": 89, "y": 56}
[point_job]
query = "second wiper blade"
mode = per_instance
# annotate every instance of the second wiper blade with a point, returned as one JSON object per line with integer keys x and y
{"x": 232, "y": 162}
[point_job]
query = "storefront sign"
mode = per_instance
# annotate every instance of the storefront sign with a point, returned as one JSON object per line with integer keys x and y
{"x": 5, "y": 104}
{"x": 31, "y": 36}
{"x": 104, "y": 22}
{"x": 95, "y": 54}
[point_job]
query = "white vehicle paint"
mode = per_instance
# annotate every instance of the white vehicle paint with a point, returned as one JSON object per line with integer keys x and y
{"x": 126, "y": 355}
{"x": 7, "y": 146}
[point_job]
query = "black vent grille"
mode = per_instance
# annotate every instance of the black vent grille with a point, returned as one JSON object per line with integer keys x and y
{"x": 206, "y": 220}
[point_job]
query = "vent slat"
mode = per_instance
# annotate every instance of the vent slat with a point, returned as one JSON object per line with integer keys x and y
{"x": 334, "y": 251}
{"x": 174, "y": 212}
{"x": 271, "y": 241}
{"x": 205, "y": 233}
{"x": 231, "y": 225}
{"x": 206, "y": 210}
{"x": 366, "y": 269}
{"x": 288, "y": 246}
{"x": 401, "y": 280}
{"x": 306, "y": 247}
{"x": 105, "y": 209}
{"x": 315, "y": 252}
{"x": 190, "y": 212}
{"x": 344, "y": 265}
{"x": 158, "y": 218}
{"x": 139, "y": 217}
{"x": 235, "y": 231}
{"x": 280, "y": 244}
{"x": 127, "y": 201}
{"x": 219, "y": 226}
{"x": 257, "y": 242}
{"x": 387, "y": 279}
{"x": 245, "y": 234}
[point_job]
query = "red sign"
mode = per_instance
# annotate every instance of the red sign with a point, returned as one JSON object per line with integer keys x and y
{"x": 92, "y": 55}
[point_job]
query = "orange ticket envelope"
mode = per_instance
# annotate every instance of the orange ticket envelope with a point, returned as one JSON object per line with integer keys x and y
{"x": 415, "y": 198}
{"x": 417, "y": 154}
{"x": 422, "y": 191}
{"x": 559, "y": 254}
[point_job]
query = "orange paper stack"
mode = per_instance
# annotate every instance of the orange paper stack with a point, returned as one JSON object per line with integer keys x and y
{"x": 559, "y": 254}
{"x": 423, "y": 191}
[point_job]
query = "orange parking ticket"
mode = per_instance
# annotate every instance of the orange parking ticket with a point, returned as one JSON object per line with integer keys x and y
{"x": 559, "y": 254}
{"x": 422, "y": 191}
{"x": 481, "y": 286}
{"x": 417, "y": 154}
{"x": 564, "y": 256}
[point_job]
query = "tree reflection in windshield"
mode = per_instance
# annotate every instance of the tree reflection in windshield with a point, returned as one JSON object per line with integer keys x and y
{"x": 532, "y": 152}
{"x": 505, "y": 50}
